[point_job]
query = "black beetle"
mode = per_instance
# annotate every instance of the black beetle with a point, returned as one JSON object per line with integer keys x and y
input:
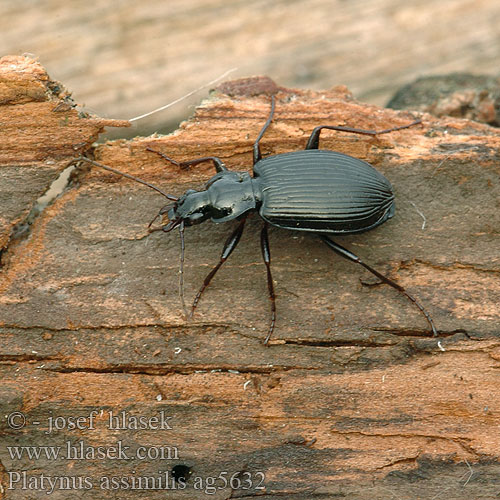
{"x": 313, "y": 190}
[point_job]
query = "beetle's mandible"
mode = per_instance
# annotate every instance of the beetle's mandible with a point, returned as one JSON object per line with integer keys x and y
{"x": 314, "y": 190}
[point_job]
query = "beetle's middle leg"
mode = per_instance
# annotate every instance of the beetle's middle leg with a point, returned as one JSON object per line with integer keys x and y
{"x": 266, "y": 254}
{"x": 229, "y": 246}
{"x": 313, "y": 142}
{"x": 354, "y": 258}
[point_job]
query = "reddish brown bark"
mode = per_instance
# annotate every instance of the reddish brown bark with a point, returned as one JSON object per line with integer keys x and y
{"x": 352, "y": 398}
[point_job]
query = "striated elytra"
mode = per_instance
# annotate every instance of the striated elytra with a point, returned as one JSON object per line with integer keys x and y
{"x": 313, "y": 190}
{"x": 322, "y": 191}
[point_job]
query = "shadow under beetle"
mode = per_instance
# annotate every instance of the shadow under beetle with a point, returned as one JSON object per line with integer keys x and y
{"x": 314, "y": 190}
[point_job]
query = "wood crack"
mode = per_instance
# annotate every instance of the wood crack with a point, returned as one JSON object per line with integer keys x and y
{"x": 159, "y": 369}
{"x": 454, "y": 266}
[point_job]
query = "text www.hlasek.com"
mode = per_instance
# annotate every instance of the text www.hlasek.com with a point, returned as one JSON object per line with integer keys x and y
{"x": 81, "y": 451}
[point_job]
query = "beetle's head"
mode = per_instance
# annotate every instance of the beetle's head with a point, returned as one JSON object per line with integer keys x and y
{"x": 191, "y": 208}
{"x": 226, "y": 196}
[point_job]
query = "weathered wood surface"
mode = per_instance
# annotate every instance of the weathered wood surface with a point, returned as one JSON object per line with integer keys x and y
{"x": 353, "y": 398}
{"x": 40, "y": 134}
{"x": 464, "y": 95}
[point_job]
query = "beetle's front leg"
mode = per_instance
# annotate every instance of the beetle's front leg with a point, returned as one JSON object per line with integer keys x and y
{"x": 218, "y": 163}
{"x": 229, "y": 246}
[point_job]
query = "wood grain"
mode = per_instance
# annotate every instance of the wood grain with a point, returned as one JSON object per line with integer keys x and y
{"x": 41, "y": 134}
{"x": 353, "y": 397}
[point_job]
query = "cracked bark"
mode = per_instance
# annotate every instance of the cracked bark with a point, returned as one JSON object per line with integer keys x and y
{"x": 90, "y": 317}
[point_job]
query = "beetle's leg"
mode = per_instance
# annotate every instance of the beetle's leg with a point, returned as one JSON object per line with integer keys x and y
{"x": 313, "y": 141}
{"x": 266, "y": 254}
{"x": 256, "y": 147}
{"x": 181, "y": 269}
{"x": 229, "y": 246}
{"x": 350, "y": 256}
{"x": 218, "y": 163}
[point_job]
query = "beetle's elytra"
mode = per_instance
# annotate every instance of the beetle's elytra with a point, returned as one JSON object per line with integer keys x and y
{"x": 314, "y": 190}
{"x": 302, "y": 191}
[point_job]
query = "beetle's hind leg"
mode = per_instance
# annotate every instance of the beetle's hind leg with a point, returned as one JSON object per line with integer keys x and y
{"x": 354, "y": 258}
{"x": 313, "y": 142}
{"x": 266, "y": 254}
{"x": 256, "y": 147}
{"x": 229, "y": 246}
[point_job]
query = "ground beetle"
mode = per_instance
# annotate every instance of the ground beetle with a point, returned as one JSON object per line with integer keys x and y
{"x": 313, "y": 190}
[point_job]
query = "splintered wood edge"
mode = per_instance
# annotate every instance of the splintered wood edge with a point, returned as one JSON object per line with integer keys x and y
{"x": 42, "y": 133}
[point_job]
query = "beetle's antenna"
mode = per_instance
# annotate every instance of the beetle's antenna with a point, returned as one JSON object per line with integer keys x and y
{"x": 167, "y": 228}
{"x": 128, "y": 176}
{"x": 181, "y": 270}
